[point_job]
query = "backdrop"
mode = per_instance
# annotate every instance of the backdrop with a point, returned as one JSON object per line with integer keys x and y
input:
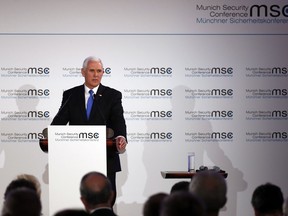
{"x": 200, "y": 76}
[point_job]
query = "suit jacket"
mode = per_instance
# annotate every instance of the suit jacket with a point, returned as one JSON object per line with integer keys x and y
{"x": 106, "y": 110}
{"x": 103, "y": 212}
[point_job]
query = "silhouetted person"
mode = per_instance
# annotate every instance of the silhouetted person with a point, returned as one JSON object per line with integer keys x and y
{"x": 33, "y": 179}
{"x": 22, "y": 202}
{"x": 97, "y": 194}
{"x": 19, "y": 183}
{"x": 182, "y": 203}
{"x": 153, "y": 203}
{"x": 267, "y": 199}
{"x": 211, "y": 187}
{"x": 180, "y": 186}
{"x": 71, "y": 212}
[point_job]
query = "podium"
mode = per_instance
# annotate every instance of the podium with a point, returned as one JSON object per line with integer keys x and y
{"x": 73, "y": 151}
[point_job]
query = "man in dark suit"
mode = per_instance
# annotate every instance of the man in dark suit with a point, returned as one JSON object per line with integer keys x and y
{"x": 106, "y": 109}
{"x": 96, "y": 194}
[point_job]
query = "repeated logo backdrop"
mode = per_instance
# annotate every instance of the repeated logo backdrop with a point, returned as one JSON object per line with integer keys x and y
{"x": 213, "y": 80}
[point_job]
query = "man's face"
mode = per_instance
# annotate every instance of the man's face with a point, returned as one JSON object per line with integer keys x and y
{"x": 93, "y": 74}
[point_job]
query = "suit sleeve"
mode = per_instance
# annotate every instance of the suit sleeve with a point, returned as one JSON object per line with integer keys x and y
{"x": 116, "y": 119}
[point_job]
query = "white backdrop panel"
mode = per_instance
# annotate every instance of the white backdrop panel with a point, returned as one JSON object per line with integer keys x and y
{"x": 169, "y": 112}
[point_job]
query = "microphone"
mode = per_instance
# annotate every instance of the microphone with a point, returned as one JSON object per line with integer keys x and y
{"x": 63, "y": 105}
{"x": 44, "y": 142}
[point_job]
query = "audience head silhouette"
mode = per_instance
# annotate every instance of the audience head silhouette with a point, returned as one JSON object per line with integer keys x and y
{"x": 19, "y": 183}
{"x": 182, "y": 203}
{"x": 96, "y": 191}
{"x": 71, "y": 212}
{"x": 211, "y": 187}
{"x": 22, "y": 201}
{"x": 32, "y": 179}
{"x": 180, "y": 186}
{"x": 153, "y": 203}
{"x": 267, "y": 199}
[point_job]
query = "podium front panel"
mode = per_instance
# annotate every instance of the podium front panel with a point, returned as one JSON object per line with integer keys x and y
{"x": 73, "y": 151}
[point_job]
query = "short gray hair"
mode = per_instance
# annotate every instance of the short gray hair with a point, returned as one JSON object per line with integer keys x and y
{"x": 91, "y": 58}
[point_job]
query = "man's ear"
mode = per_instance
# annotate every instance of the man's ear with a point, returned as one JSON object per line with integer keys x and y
{"x": 84, "y": 203}
{"x": 111, "y": 198}
{"x": 83, "y": 72}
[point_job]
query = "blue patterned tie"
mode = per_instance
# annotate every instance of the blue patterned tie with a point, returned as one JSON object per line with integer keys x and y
{"x": 89, "y": 103}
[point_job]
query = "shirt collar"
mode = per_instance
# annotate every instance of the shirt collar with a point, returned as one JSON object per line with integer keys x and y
{"x": 91, "y": 211}
{"x": 94, "y": 89}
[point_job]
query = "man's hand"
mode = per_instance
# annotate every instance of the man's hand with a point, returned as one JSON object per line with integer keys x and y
{"x": 121, "y": 144}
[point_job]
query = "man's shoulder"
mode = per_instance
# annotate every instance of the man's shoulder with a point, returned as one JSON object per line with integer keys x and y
{"x": 73, "y": 90}
{"x": 109, "y": 90}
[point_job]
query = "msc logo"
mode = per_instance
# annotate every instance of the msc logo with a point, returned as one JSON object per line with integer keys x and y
{"x": 162, "y": 70}
{"x": 279, "y": 114}
{"x": 162, "y": 136}
{"x": 222, "y": 92}
{"x": 278, "y": 70}
{"x": 279, "y": 135}
{"x": 279, "y": 92}
{"x": 272, "y": 10}
{"x": 38, "y": 114}
{"x": 90, "y": 135}
{"x": 38, "y": 92}
{"x": 161, "y": 92}
{"x": 39, "y": 70}
{"x": 34, "y": 136}
{"x": 222, "y": 135}
{"x": 223, "y": 70}
{"x": 107, "y": 70}
{"x": 161, "y": 114}
{"x": 223, "y": 114}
